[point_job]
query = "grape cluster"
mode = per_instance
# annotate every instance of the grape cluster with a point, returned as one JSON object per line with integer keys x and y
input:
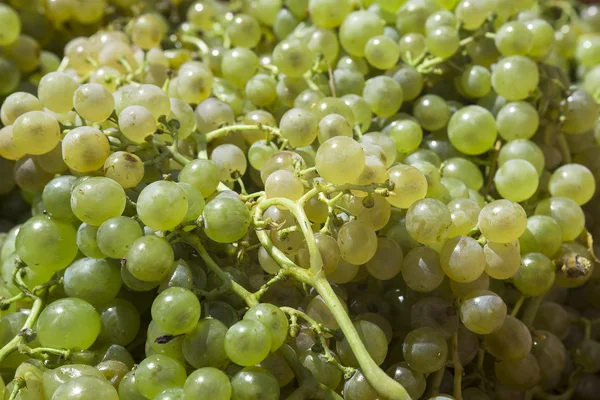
{"x": 299, "y": 199}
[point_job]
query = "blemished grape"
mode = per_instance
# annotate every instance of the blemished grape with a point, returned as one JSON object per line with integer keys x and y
{"x": 410, "y": 185}
{"x": 502, "y": 221}
{"x": 428, "y": 221}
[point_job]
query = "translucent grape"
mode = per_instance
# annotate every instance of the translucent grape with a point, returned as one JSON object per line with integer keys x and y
{"x": 432, "y": 112}
{"x": 86, "y": 241}
{"x": 566, "y": 212}
{"x": 230, "y": 160}
{"x": 543, "y": 235}
{"x": 35, "y": 132}
{"x": 357, "y": 29}
{"x": 176, "y": 310}
{"x": 207, "y": 384}
{"x": 502, "y": 221}
{"x": 443, "y": 41}
{"x": 516, "y": 180}
{"x": 328, "y": 13}
{"x": 202, "y": 174}
{"x": 273, "y": 319}
{"x": 254, "y": 382}
{"x": 247, "y": 342}
{"x": 475, "y": 81}
{"x": 428, "y": 221}
{"x": 69, "y": 323}
{"x": 299, "y": 127}
{"x": 149, "y": 258}
{"x": 97, "y": 199}
{"x": 340, "y": 160}
{"x": 462, "y": 259}
{"x": 136, "y": 123}
{"x": 425, "y": 350}
{"x": 93, "y": 102}
{"x": 226, "y": 219}
{"x": 56, "y": 197}
{"x": 536, "y": 275}
{"x": 157, "y": 373}
{"x": 382, "y": 52}
{"x": 95, "y": 281}
{"x": 384, "y": 95}
{"x": 574, "y": 181}
{"x": 125, "y": 168}
{"x": 421, "y": 269}
{"x": 482, "y": 312}
{"x": 515, "y": 77}
{"x": 11, "y": 23}
{"x": 517, "y": 120}
{"x": 333, "y": 125}
{"x": 511, "y": 342}
{"x": 472, "y": 130}
{"x": 513, "y": 38}
{"x": 120, "y": 322}
{"x": 358, "y": 242}
{"x": 410, "y": 185}
{"x": 18, "y": 104}
{"x": 502, "y": 259}
{"x": 372, "y": 337}
{"x": 204, "y": 345}
{"x": 162, "y": 205}
{"x": 85, "y": 149}
{"x": 522, "y": 149}
{"x": 581, "y": 112}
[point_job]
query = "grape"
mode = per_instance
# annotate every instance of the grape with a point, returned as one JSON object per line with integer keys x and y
{"x": 230, "y": 160}
{"x": 333, "y": 125}
{"x": 96, "y": 281}
{"x": 513, "y": 38}
{"x": 462, "y": 259}
{"x": 358, "y": 388}
{"x": 372, "y": 337}
{"x": 472, "y": 130}
{"x": 324, "y": 42}
{"x": 253, "y": 383}
{"x": 247, "y": 342}
{"x": 502, "y": 260}
{"x": 149, "y": 258}
{"x": 516, "y": 180}
{"x": 410, "y": 186}
{"x": 551, "y": 353}
{"x": 340, "y": 160}
{"x": 542, "y": 235}
{"x": 204, "y": 345}
{"x": 518, "y": 375}
{"x": 125, "y": 168}
{"x": 226, "y": 219}
{"x": 201, "y": 174}
{"x": 207, "y": 384}
{"x": 194, "y": 84}
{"x": 407, "y": 135}
{"x": 573, "y": 181}
{"x": 358, "y": 242}
{"x": 425, "y": 350}
{"x": 9, "y": 19}
{"x": 176, "y": 310}
{"x": 86, "y": 241}
{"x": 85, "y": 388}
{"x": 428, "y": 221}
{"x": 54, "y": 378}
{"x": 93, "y": 102}
{"x": 244, "y": 31}
{"x": 45, "y": 243}
{"x": 376, "y": 215}
{"x": 299, "y": 127}
{"x": 56, "y": 197}
{"x": 384, "y": 95}
{"x": 502, "y": 221}
{"x": 566, "y": 212}
{"x": 162, "y": 205}
{"x": 157, "y": 373}
{"x": 512, "y": 342}
{"x": 522, "y": 149}
{"x": 464, "y": 213}
{"x": 410, "y": 80}
{"x": 85, "y": 149}
{"x": 115, "y": 236}
{"x": 239, "y": 65}
{"x": 154, "y": 345}
{"x": 127, "y": 388}
{"x": 273, "y": 319}
{"x": 120, "y": 322}
{"x": 382, "y": 52}
{"x": 97, "y": 199}
{"x": 146, "y": 32}
{"x": 35, "y": 132}
{"x": 515, "y": 77}
{"x": 323, "y": 371}
{"x": 328, "y": 13}
{"x": 69, "y": 323}
{"x": 421, "y": 270}
{"x": 387, "y": 261}
{"x": 292, "y": 57}
{"x": 432, "y": 112}
{"x": 18, "y": 104}
{"x": 581, "y": 112}
{"x": 357, "y": 29}
{"x": 536, "y": 275}
{"x": 443, "y": 41}
{"x": 482, "y": 312}
{"x": 137, "y": 123}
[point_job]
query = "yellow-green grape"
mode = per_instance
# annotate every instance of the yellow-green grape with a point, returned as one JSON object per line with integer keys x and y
{"x": 28, "y": 175}
{"x": 472, "y": 130}
{"x": 201, "y": 15}
{"x": 18, "y": 104}
{"x": 255, "y": 382}
{"x": 464, "y": 213}
{"x": 239, "y": 65}
{"x": 149, "y": 258}
{"x": 385, "y": 142}
{"x": 56, "y": 91}
{"x": 406, "y": 134}
{"x": 543, "y": 37}
{"x": 59, "y": 11}
{"x": 183, "y": 113}
{"x": 566, "y": 212}
{"x": 52, "y": 162}
{"x": 482, "y": 312}
{"x": 208, "y": 384}
{"x": 137, "y": 123}
{"x": 89, "y": 12}
{"x": 475, "y": 81}
{"x": 384, "y": 95}
{"x": 258, "y": 118}
{"x": 204, "y": 345}
{"x": 11, "y": 25}
{"x": 11, "y": 76}
{"x": 292, "y": 57}
{"x": 324, "y": 42}
{"x": 536, "y": 275}
{"x": 273, "y": 319}
{"x": 519, "y": 375}
{"x": 146, "y": 32}
{"x": 581, "y": 112}
{"x": 574, "y": 181}
{"x": 157, "y": 373}
{"x": 438, "y": 19}
{"x": 410, "y": 185}
{"x": 443, "y": 41}
{"x": 36, "y": 132}
{"x": 261, "y": 90}
{"x": 194, "y": 83}
{"x": 432, "y": 112}
{"x": 358, "y": 242}
{"x": 284, "y": 184}
{"x": 523, "y": 149}
{"x": 230, "y": 160}
{"x": 328, "y": 13}
{"x": 502, "y": 260}
{"x": 267, "y": 263}
{"x": 176, "y": 310}
{"x": 107, "y": 77}
{"x": 455, "y": 187}
{"x": 56, "y": 197}
{"x": 512, "y": 342}
{"x": 201, "y": 174}
{"x": 328, "y": 248}
{"x": 543, "y": 235}
{"x": 356, "y": 30}
{"x": 462, "y": 289}
{"x": 425, "y": 350}
{"x": 195, "y": 202}
{"x": 92, "y": 280}
{"x": 162, "y": 205}
{"x": 515, "y": 77}
{"x": 412, "y": 46}
{"x": 502, "y": 221}
{"x": 97, "y": 199}
{"x": 244, "y": 31}
{"x": 374, "y": 211}
{"x": 24, "y": 52}
{"x": 372, "y": 337}
{"x": 68, "y": 323}
{"x": 344, "y": 273}
{"x": 472, "y": 13}
{"x": 333, "y": 105}
{"x": 125, "y": 168}
{"x": 516, "y": 180}
{"x": 421, "y": 269}
{"x": 8, "y": 149}
{"x": 360, "y": 109}
{"x": 374, "y": 172}
{"x": 85, "y": 149}
{"x": 299, "y": 127}
{"x": 93, "y": 102}
{"x": 86, "y": 241}
{"x": 340, "y": 160}
{"x": 513, "y": 38}
{"x": 428, "y": 221}
{"x": 382, "y": 52}
{"x": 387, "y": 261}
{"x": 152, "y": 98}
{"x": 115, "y": 236}
{"x": 462, "y": 259}
{"x": 247, "y": 342}
{"x": 226, "y": 219}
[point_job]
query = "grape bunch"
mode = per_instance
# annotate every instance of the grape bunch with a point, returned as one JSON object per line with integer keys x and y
{"x": 299, "y": 199}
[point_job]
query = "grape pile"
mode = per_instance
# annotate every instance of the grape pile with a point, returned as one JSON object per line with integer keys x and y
{"x": 299, "y": 199}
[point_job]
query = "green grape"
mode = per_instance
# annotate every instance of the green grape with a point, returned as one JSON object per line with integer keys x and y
{"x": 183, "y": 113}
{"x": 410, "y": 80}
{"x": 464, "y": 214}
{"x": 28, "y": 175}
{"x": 204, "y": 345}
{"x": 543, "y": 37}
{"x": 513, "y": 38}
{"x": 226, "y": 219}
{"x": 443, "y": 42}
{"x": 502, "y": 260}
{"x": 46, "y": 243}
{"x": 340, "y": 160}
{"x": 201, "y": 174}
{"x": 425, "y": 350}
{"x": 11, "y": 75}
{"x": 244, "y": 31}
{"x": 414, "y": 382}
{"x": 518, "y": 375}
{"x": 421, "y": 269}
{"x": 536, "y": 275}
{"x": 574, "y": 181}
{"x": 18, "y": 104}
{"x": 407, "y": 135}
{"x": 127, "y": 388}
{"x": 356, "y": 30}
{"x": 358, "y": 388}
{"x": 261, "y": 90}
{"x": 11, "y": 25}
{"x": 162, "y": 205}
{"x": 328, "y": 13}
{"x": 515, "y": 77}
{"x": 93, "y": 102}
{"x": 267, "y": 263}
{"x": 258, "y": 118}
{"x": 410, "y": 186}
{"x": 586, "y": 355}
{"x": 56, "y": 197}
{"x": 113, "y": 371}
{"x": 553, "y": 317}
{"x": 159, "y": 342}
{"x": 254, "y": 383}
{"x": 176, "y": 310}
{"x": 516, "y": 180}
{"x": 551, "y": 353}
{"x": 482, "y": 312}
{"x": 52, "y": 162}
{"x": 343, "y": 273}
{"x": 146, "y": 32}
{"x": 288, "y": 89}
{"x": 384, "y": 95}
{"x": 85, "y": 149}
{"x": 273, "y": 319}
{"x": 231, "y": 161}
{"x": 247, "y": 342}
{"x": 358, "y": 242}
{"x": 428, "y": 221}
{"x": 376, "y": 215}
{"x": 512, "y": 342}
{"x": 472, "y": 13}
{"x": 170, "y": 394}
{"x": 333, "y": 105}
{"x": 517, "y": 120}
{"x": 86, "y": 388}
{"x": 317, "y": 309}
{"x": 522, "y": 149}
{"x": 120, "y": 322}
{"x": 239, "y": 65}
{"x": 433, "y": 113}
{"x": 387, "y": 261}
{"x": 54, "y": 378}
{"x": 566, "y": 212}
{"x": 96, "y": 281}
{"x": 299, "y": 127}
{"x": 86, "y": 241}
{"x": 24, "y": 52}
{"x": 195, "y": 202}
{"x": 8, "y": 150}
{"x": 385, "y": 142}
{"x": 439, "y": 19}
{"x": 462, "y": 289}
{"x": 348, "y": 81}
{"x": 543, "y": 235}
{"x": 412, "y": 46}
{"x": 137, "y": 123}
{"x": 35, "y": 132}
{"x": 382, "y": 52}
{"x": 502, "y": 221}
{"x": 462, "y": 259}
{"x": 333, "y": 125}
{"x": 195, "y": 83}
{"x": 68, "y": 323}
{"x": 475, "y": 81}
{"x": 180, "y": 275}
{"x": 292, "y": 58}
{"x": 324, "y": 42}
{"x": 97, "y": 199}
{"x": 107, "y": 77}
{"x": 472, "y": 130}
{"x": 125, "y": 168}
{"x": 207, "y": 384}
{"x": 455, "y": 187}
{"x": 201, "y": 15}
{"x": 372, "y": 337}
{"x": 157, "y": 373}
{"x": 149, "y": 258}
{"x": 115, "y": 236}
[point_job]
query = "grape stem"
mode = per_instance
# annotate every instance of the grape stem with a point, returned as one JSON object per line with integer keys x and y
{"x": 18, "y": 384}
{"x": 458, "y": 368}
{"x": 517, "y": 306}
{"x": 434, "y": 383}
{"x": 493, "y": 166}
{"x": 238, "y": 128}
{"x": 531, "y": 310}
{"x": 280, "y": 276}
